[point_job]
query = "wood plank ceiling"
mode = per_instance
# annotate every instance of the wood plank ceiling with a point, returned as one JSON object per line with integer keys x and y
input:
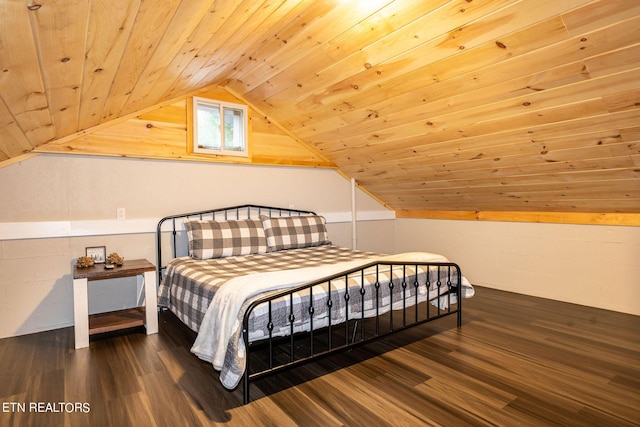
{"x": 451, "y": 105}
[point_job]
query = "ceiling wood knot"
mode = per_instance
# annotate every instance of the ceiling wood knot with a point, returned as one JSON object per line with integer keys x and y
{"x": 34, "y": 6}
{"x": 66, "y": 59}
{"x": 501, "y": 45}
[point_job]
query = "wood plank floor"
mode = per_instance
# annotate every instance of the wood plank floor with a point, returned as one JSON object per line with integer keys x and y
{"x": 517, "y": 360}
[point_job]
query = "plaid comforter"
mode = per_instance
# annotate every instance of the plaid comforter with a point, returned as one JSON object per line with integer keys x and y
{"x": 188, "y": 285}
{"x": 194, "y": 291}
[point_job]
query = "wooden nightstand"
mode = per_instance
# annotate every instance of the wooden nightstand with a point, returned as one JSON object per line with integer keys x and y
{"x": 85, "y": 325}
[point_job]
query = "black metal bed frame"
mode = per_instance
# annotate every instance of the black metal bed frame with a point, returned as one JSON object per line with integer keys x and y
{"x": 280, "y": 353}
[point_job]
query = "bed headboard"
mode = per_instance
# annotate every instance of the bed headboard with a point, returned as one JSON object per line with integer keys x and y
{"x": 171, "y": 237}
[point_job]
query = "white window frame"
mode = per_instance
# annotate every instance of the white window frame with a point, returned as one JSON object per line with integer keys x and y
{"x": 221, "y": 105}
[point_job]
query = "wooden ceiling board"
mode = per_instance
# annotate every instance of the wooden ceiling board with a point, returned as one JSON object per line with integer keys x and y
{"x": 465, "y": 184}
{"x": 599, "y": 14}
{"x": 109, "y": 27}
{"x": 187, "y": 16}
{"x": 302, "y": 38}
{"x": 21, "y": 86}
{"x": 229, "y": 34}
{"x": 504, "y": 156}
{"x": 535, "y": 106}
{"x": 545, "y": 149}
{"x": 149, "y": 27}
{"x": 402, "y": 52}
{"x": 350, "y": 53}
{"x": 223, "y": 61}
{"x": 61, "y": 48}
{"x": 495, "y": 76}
{"x": 439, "y": 56}
{"x": 460, "y": 106}
{"x": 200, "y": 34}
{"x": 15, "y": 143}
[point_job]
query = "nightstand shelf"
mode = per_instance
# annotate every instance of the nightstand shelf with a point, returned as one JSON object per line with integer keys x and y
{"x": 116, "y": 320}
{"x": 85, "y": 324}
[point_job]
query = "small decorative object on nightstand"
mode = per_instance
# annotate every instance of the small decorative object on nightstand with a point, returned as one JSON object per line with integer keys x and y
{"x": 85, "y": 325}
{"x": 84, "y": 262}
{"x": 114, "y": 260}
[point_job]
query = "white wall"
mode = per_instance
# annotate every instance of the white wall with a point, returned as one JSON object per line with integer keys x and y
{"x": 53, "y": 207}
{"x": 61, "y": 188}
{"x": 591, "y": 265}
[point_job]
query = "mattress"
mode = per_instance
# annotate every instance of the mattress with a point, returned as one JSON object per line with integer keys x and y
{"x": 189, "y": 285}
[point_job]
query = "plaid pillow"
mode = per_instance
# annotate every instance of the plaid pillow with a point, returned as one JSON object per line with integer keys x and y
{"x": 217, "y": 239}
{"x": 294, "y": 232}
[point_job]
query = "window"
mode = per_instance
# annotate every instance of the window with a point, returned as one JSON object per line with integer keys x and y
{"x": 219, "y": 127}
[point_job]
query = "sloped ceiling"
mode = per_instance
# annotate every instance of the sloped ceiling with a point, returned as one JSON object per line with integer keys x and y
{"x": 431, "y": 105}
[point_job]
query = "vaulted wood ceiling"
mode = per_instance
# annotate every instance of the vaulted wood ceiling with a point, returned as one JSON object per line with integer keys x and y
{"x": 439, "y": 105}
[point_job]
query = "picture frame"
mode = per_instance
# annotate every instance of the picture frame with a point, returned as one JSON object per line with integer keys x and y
{"x": 97, "y": 253}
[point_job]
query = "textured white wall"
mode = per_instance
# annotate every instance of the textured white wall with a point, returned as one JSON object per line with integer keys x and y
{"x": 597, "y": 266}
{"x": 71, "y": 202}
{"x": 61, "y": 188}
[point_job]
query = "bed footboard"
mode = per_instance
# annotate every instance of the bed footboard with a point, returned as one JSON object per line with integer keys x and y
{"x": 288, "y": 328}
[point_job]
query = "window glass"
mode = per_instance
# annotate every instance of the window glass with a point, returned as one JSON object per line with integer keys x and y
{"x": 233, "y": 129}
{"x": 208, "y": 124}
{"x": 219, "y": 127}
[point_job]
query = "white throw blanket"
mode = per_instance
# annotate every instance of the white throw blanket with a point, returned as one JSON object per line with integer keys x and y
{"x": 221, "y": 324}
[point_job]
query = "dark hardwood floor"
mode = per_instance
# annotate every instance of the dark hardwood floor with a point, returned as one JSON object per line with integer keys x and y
{"x": 517, "y": 360}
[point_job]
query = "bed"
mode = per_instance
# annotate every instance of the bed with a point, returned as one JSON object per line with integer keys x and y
{"x": 266, "y": 290}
